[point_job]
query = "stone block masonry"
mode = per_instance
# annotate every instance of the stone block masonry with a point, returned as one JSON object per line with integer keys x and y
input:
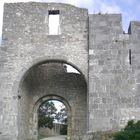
{"x": 102, "y": 96}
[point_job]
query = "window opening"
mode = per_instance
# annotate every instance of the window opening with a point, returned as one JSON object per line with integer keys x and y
{"x": 130, "y": 60}
{"x": 54, "y": 22}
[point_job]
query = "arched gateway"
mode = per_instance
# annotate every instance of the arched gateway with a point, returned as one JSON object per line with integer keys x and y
{"x": 51, "y": 80}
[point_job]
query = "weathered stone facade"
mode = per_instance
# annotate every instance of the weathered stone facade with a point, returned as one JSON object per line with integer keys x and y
{"x": 103, "y": 96}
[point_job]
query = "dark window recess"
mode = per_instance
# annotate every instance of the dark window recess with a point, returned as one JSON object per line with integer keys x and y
{"x": 130, "y": 57}
{"x": 54, "y": 12}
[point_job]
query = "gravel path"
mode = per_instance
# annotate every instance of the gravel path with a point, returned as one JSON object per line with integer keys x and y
{"x": 56, "y": 138}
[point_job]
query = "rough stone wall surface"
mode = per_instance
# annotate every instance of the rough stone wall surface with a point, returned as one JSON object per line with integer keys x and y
{"x": 105, "y": 63}
{"x": 113, "y": 73}
{"x": 26, "y": 42}
{"x": 28, "y": 33}
{"x": 23, "y": 110}
{"x": 95, "y": 44}
{"x": 130, "y": 108}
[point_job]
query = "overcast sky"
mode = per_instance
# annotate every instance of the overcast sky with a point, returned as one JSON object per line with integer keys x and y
{"x": 130, "y": 9}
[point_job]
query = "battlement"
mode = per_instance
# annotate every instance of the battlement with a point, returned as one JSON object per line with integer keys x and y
{"x": 134, "y": 27}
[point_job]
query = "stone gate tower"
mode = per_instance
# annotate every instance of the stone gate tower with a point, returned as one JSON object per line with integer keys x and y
{"x": 102, "y": 95}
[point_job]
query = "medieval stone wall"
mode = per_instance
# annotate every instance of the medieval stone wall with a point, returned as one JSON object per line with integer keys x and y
{"x": 107, "y": 60}
{"x": 26, "y": 42}
{"x": 113, "y": 73}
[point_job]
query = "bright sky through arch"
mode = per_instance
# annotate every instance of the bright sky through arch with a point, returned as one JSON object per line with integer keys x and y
{"x": 129, "y": 9}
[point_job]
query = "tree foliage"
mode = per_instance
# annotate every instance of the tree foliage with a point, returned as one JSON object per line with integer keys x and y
{"x": 130, "y": 132}
{"x": 48, "y": 114}
{"x": 47, "y": 109}
{"x": 61, "y": 116}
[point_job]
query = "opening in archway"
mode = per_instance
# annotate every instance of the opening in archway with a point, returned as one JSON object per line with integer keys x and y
{"x": 50, "y": 80}
{"x": 52, "y": 119}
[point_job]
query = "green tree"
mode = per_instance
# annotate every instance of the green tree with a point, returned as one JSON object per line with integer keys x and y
{"x": 61, "y": 117}
{"x": 46, "y": 114}
{"x": 130, "y": 132}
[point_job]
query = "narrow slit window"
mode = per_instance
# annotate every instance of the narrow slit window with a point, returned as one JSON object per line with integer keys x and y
{"x": 130, "y": 59}
{"x": 54, "y": 22}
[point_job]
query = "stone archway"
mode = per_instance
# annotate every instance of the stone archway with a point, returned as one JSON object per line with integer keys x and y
{"x": 46, "y": 80}
{"x": 45, "y": 99}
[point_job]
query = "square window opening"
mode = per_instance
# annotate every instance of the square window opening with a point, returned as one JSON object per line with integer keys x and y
{"x": 54, "y": 22}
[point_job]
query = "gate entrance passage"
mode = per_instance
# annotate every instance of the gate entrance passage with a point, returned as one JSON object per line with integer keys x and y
{"x": 54, "y": 80}
{"x": 52, "y": 118}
